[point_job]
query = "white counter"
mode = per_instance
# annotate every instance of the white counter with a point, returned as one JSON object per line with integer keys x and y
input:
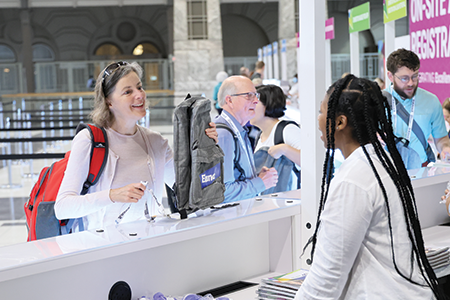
{"x": 438, "y": 236}
{"x": 429, "y": 185}
{"x": 175, "y": 257}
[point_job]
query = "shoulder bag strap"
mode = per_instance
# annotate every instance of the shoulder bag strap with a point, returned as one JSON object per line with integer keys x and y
{"x": 415, "y": 127}
{"x": 278, "y": 139}
{"x": 237, "y": 152}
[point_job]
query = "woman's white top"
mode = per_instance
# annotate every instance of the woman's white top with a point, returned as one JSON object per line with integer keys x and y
{"x": 353, "y": 257}
{"x": 144, "y": 156}
{"x": 291, "y": 136}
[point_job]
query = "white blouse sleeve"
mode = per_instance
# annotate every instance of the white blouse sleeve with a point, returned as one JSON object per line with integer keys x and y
{"x": 69, "y": 203}
{"x": 291, "y": 136}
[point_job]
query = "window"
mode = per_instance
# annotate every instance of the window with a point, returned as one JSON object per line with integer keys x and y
{"x": 107, "y": 50}
{"x": 42, "y": 52}
{"x": 6, "y": 54}
{"x": 197, "y": 19}
{"x": 145, "y": 48}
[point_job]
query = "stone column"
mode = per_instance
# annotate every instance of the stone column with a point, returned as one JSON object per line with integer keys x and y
{"x": 286, "y": 30}
{"x": 27, "y": 50}
{"x": 170, "y": 29}
{"x": 196, "y": 61}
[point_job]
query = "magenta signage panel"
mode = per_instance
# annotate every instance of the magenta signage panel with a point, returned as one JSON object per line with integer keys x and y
{"x": 429, "y": 27}
{"x": 329, "y": 29}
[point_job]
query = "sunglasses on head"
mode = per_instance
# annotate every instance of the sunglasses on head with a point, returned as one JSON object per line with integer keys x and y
{"x": 109, "y": 70}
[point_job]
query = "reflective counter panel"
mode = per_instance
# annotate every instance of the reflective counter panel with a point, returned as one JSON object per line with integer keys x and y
{"x": 162, "y": 231}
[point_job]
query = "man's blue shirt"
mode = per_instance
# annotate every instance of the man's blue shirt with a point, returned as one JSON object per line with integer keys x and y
{"x": 251, "y": 185}
{"x": 427, "y": 114}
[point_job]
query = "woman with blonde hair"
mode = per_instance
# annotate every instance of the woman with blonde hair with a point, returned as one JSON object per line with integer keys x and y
{"x": 136, "y": 155}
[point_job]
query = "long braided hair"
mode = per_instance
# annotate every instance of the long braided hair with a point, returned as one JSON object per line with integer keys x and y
{"x": 369, "y": 115}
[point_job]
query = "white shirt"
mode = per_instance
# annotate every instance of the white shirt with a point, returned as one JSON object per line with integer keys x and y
{"x": 353, "y": 257}
{"x": 291, "y": 136}
{"x": 96, "y": 208}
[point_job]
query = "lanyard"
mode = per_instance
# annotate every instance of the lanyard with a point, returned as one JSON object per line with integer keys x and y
{"x": 411, "y": 115}
{"x": 241, "y": 141}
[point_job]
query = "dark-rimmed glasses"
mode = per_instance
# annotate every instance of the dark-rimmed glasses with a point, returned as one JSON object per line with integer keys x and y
{"x": 406, "y": 78}
{"x": 249, "y": 95}
{"x": 111, "y": 68}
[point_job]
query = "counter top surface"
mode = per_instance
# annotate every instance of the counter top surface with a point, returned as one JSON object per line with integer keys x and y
{"x": 438, "y": 237}
{"x": 436, "y": 172}
{"x": 129, "y": 237}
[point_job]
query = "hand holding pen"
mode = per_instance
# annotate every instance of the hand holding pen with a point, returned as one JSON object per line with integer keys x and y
{"x": 447, "y": 194}
{"x": 130, "y": 193}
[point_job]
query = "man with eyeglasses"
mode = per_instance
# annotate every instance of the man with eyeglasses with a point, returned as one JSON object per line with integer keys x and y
{"x": 422, "y": 108}
{"x": 238, "y": 98}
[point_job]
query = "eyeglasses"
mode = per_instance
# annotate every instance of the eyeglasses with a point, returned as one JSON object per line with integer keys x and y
{"x": 110, "y": 69}
{"x": 406, "y": 78}
{"x": 249, "y": 95}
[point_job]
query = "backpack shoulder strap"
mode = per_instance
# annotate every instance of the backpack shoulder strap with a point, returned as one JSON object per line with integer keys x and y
{"x": 278, "y": 139}
{"x": 98, "y": 155}
{"x": 237, "y": 152}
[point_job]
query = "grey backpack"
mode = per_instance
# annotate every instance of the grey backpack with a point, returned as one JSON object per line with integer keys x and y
{"x": 198, "y": 160}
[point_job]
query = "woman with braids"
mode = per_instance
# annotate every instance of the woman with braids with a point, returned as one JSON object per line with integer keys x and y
{"x": 367, "y": 243}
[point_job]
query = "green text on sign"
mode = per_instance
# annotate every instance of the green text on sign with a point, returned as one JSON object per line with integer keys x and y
{"x": 359, "y": 18}
{"x": 393, "y": 10}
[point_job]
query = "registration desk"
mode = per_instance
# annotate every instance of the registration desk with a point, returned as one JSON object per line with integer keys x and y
{"x": 260, "y": 236}
{"x": 429, "y": 185}
{"x": 172, "y": 256}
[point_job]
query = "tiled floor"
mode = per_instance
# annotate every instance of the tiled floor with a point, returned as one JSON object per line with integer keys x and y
{"x": 16, "y": 184}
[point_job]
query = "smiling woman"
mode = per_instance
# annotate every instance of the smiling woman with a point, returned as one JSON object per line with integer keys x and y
{"x": 136, "y": 155}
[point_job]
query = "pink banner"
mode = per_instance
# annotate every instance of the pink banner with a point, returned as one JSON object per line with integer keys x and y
{"x": 329, "y": 29}
{"x": 429, "y": 28}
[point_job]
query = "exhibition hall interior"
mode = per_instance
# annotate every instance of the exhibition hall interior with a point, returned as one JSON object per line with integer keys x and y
{"x": 53, "y": 57}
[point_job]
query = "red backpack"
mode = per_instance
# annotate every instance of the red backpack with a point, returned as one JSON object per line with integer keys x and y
{"x": 39, "y": 209}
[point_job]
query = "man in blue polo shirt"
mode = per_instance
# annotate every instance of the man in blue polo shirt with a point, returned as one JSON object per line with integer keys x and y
{"x": 422, "y": 106}
{"x": 238, "y": 99}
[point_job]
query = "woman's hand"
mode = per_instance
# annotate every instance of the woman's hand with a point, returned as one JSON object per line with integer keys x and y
{"x": 131, "y": 193}
{"x": 276, "y": 151}
{"x": 284, "y": 149}
{"x": 447, "y": 200}
{"x": 212, "y": 132}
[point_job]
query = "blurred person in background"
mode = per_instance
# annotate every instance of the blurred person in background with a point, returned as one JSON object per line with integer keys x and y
{"x": 220, "y": 77}
{"x": 259, "y": 70}
{"x": 244, "y": 71}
